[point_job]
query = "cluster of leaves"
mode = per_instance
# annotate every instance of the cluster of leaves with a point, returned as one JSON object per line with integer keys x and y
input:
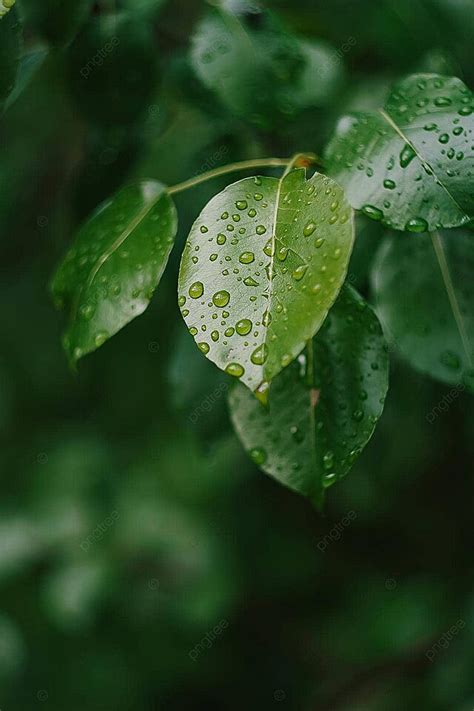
{"x": 266, "y": 260}
{"x": 132, "y": 520}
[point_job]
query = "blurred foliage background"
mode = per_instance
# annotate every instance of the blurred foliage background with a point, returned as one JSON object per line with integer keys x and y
{"x": 132, "y": 524}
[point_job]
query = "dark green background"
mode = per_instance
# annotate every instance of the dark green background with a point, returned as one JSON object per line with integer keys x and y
{"x": 138, "y": 443}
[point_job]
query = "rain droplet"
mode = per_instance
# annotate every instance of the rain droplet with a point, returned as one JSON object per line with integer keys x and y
{"x": 196, "y": 290}
{"x": 235, "y": 369}
{"x": 374, "y": 212}
{"x": 260, "y": 355}
{"x": 246, "y": 258}
{"x": 309, "y": 228}
{"x": 243, "y": 327}
{"x": 221, "y": 298}
{"x": 406, "y": 155}
{"x": 258, "y": 456}
{"x": 416, "y": 224}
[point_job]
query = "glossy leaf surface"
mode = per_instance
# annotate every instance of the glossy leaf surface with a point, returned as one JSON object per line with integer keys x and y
{"x": 109, "y": 275}
{"x": 411, "y": 164}
{"x": 425, "y": 299}
{"x": 262, "y": 265}
{"x": 323, "y": 408}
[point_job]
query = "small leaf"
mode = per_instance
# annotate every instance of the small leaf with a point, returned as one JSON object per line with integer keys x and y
{"x": 323, "y": 408}
{"x": 11, "y": 45}
{"x": 262, "y": 75}
{"x": 111, "y": 272}
{"x": 262, "y": 265}
{"x": 425, "y": 299}
{"x": 409, "y": 165}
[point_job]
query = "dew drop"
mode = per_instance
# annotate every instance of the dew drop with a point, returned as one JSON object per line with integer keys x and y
{"x": 243, "y": 327}
{"x": 235, "y": 369}
{"x": 221, "y": 298}
{"x": 260, "y": 355}
{"x": 196, "y": 290}
{"x": 246, "y": 258}
{"x": 416, "y": 224}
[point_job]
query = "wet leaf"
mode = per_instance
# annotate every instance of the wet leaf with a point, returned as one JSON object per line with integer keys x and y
{"x": 109, "y": 275}
{"x": 425, "y": 299}
{"x": 410, "y": 164}
{"x": 323, "y": 408}
{"x": 262, "y": 265}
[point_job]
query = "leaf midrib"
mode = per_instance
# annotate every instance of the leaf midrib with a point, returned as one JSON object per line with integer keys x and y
{"x": 112, "y": 249}
{"x": 423, "y": 160}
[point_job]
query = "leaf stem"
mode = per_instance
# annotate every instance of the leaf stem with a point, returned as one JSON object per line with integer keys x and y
{"x": 304, "y": 158}
{"x": 451, "y": 292}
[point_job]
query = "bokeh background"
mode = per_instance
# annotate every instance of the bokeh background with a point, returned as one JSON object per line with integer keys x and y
{"x": 145, "y": 562}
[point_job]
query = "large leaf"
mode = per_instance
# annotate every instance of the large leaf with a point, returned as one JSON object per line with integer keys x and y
{"x": 411, "y": 164}
{"x": 109, "y": 275}
{"x": 261, "y": 75}
{"x": 262, "y": 265}
{"x": 10, "y": 50}
{"x": 425, "y": 299}
{"x": 323, "y": 408}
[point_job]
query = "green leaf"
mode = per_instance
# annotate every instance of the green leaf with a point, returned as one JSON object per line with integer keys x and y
{"x": 323, "y": 408}
{"x": 55, "y": 20}
{"x": 410, "y": 164}
{"x": 11, "y": 45}
{"x": 261, "y": 267}
{"x": 425, "y": 299}
{"x": 112, "y": 270}
{"x": 5, "y": 6}
{"x": 265, "y": 74}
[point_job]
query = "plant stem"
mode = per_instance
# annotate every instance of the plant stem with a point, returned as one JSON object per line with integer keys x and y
{"x": 305, "y": 158}
{"x": 451, "y": 292}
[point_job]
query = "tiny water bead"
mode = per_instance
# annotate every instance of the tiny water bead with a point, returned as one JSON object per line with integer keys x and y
{"x": 309, "y": 228}
{"x": 260, "y": 229}
{"x": 100, "y": 338}
{"x": 196, "y": 290}
{"x": 243, "y": 327}
{"x": 374, "y": 212}
{"x": 241, "y": 204}
{"x": 235, "y": 369}
{"x": 416, "y": 224}
{"x": 221, "y": 298}
{"x": 247, "y": 258}
{"x": 259, "y": 355}
{"x": 258, "y": 456}
{"x": 204, "y": 347}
